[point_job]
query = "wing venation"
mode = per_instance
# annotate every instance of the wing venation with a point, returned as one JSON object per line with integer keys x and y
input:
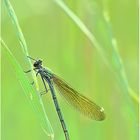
{"x": 78, "y": 101}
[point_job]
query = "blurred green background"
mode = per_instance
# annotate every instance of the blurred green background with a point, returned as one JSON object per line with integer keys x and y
{"x": 52, "y": 36}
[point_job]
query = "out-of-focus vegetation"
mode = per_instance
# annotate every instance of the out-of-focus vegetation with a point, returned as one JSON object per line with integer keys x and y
{"x": 55, "y": 35}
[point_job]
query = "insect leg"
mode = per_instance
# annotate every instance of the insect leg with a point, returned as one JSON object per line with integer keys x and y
{"x": 46, "y": 90}
{"x": 27, "y": 71}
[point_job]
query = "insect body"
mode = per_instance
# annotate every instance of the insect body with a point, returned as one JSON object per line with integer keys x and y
{"x": 74, "y": 98}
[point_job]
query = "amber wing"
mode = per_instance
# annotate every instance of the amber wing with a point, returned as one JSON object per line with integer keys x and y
{"x": 78, "y": 101}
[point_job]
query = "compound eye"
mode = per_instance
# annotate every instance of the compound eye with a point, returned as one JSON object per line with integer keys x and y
{"x": 35, "y": 64}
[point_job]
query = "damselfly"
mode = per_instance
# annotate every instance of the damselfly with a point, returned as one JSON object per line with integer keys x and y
{"x": 74, "y": 98}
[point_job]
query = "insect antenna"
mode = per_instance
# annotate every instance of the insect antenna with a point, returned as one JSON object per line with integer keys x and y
{"x": 31, "y": 58}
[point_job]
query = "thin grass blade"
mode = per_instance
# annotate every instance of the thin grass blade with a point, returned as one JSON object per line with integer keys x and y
{"x": 47, "y": 129}
{"x": 20, "y": 36}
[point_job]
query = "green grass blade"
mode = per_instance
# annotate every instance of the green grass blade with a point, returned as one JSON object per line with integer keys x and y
{"x": 14, "y": 19}
{"x": 115, "y": 65}
{"x": 20, "y": 36}
{"x": 83, "y": 28}
{"x": 33, "y": 97}
{"x": 104, "y": 34}
{"x": 23, "y": 45}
